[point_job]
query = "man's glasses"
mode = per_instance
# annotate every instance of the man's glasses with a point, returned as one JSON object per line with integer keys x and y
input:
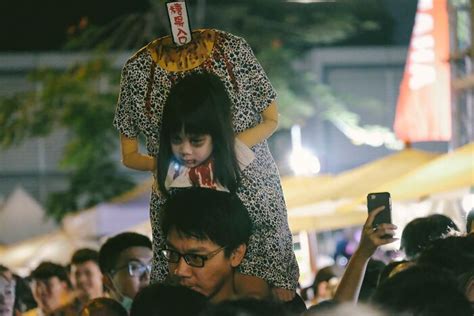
{"x": 194, "y": 260}
{"x": 135, "y": 268}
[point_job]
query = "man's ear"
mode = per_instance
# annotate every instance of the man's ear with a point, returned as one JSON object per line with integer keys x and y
{"x": 107, "y": 282}
{"x": 237, "y": 255}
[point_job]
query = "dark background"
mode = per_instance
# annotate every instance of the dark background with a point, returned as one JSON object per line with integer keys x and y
{"x": 32, "y": 25}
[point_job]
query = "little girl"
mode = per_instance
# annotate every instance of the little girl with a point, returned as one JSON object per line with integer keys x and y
{"x": 196, "y": 137}
{"x": 207, "y": 125}
{"x": 198, "y": 148}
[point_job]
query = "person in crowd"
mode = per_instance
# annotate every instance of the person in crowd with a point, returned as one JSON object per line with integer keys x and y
{"x": 103, "y": 306}
{"x": 7, "y": 292}
{"x": 194, "y": 121}
{"x": 52, "y": 291}
{"x": 85, "y": 273}
{"x": 371, "y": 238}
{"x": 206, "y": 238}
{"x": 393, "y": 268}
{"x": 125, "y": 263}
{"x": 455, "y": 255}
{"x": 344, "y": 309}
{"x": 163, "y": 300}
{"x": 324, "y": 285}
{"x": 371, "y": 279}
{"x": 470, "y": 223}
{"x": 420, "y": 232}
{"x": 207, "y": 232}
{"x": 247, "y": 307}
{"x": 421, "y": 290}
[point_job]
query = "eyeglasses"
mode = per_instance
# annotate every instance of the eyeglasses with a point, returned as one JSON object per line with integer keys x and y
{"x": 135, "y": 268}
{"x": 194, "y": 260}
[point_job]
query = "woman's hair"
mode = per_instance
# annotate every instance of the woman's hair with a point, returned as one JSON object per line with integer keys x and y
{"x": 421, "y": 232}
{"x": 199, "y": 104}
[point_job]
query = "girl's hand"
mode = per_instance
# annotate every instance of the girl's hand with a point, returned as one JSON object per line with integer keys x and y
{"x": 372, "y": 238}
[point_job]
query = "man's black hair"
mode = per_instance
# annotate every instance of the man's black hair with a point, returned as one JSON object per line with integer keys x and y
{"x": 162, "y": 299}
{"x": 110, "y": 251}
{"x": 208, "y": 214}
{"x": 47, "y": 270}
{"x": 249, "y": 307}
{"x": 84, "y": 255}
{"x": 455, "y": 254}
{"x": 422, "y": 290}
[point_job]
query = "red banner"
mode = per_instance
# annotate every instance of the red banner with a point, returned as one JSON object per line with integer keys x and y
{"x": 424, "y": 103}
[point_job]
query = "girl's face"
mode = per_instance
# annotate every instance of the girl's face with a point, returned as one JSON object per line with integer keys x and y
{"x": 191, "y": 150}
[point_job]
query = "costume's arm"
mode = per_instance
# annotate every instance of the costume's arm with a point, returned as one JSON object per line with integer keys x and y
{"x": 132, "y": 158}
{"x": 349, "y": 286}
{"x": 262, "y": 131}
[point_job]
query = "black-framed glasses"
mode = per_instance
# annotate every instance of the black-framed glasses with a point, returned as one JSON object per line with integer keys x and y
{"x": 135, "y": 268}
{"x": 194, "y": 260}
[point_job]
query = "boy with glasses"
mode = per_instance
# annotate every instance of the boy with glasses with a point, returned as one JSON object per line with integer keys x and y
{"x": 125, "y": 262}
{"x": 207, "y": 232}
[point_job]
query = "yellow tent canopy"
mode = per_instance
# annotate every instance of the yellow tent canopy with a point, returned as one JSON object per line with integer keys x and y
{"x": 449, "y": 172}
{"x": 57, "y": 246}
{"x": 297, "y": 189}
{"x": 316, "y": 208}
{"x": 364, "y": 179}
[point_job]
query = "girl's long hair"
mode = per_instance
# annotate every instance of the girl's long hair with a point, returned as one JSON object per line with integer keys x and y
{"x": 199, "y": 104}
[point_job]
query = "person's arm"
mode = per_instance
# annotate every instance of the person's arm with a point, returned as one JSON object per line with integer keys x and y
{"x": 349, "y": 286}
{"x": 262, "y": 131}
{"x": 132, "y": 158}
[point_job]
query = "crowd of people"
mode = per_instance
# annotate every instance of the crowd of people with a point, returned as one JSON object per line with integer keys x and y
{"x": 221, "y": 240}
{"x": 207, "y": 234}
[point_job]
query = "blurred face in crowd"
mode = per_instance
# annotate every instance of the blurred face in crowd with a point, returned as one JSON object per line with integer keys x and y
{"x": 87, "y": 280}
{"x": 215, "y": 278}
{"x": 132, "y": 272}
{"x": 7, "y": 293}
{"x": 50, "y": 294}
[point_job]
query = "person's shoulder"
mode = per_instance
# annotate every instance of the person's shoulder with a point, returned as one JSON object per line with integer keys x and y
{"x": 144, "y": 53}
{"x": 31, "y": 312}
{"x": 226, "y": 37}
{"x": 71, "y": 309}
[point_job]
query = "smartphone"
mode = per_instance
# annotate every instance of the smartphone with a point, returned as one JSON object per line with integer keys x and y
{"x": 377, "y": 199}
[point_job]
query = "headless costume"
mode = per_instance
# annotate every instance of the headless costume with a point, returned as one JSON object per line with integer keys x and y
{"x": 145, "y": 84}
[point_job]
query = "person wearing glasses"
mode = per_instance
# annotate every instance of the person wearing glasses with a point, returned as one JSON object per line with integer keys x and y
{"x": 125, "y": 262}
{"x": 206, "y": 232}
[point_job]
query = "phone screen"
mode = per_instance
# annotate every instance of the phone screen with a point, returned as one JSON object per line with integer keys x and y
{"x": 377, "y": 199}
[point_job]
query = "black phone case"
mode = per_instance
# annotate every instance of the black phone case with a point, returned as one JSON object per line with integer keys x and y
{"x": 377, "y": 199}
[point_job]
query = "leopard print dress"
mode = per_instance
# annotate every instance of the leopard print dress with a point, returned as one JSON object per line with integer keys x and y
{"x": 144, "y": 88}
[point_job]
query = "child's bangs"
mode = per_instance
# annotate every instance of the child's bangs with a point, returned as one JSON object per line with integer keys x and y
{"x": 196, "y": 122}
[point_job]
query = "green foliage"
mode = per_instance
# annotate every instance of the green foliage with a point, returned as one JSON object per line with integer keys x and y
{"x": 82, "y": 100}
{"x": 280, "y": 32}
